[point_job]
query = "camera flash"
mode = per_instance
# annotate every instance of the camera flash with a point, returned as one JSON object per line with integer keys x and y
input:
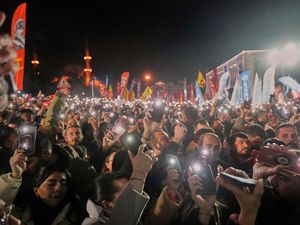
{"x": 196, "y": 167}
{"x": 25, "y": 129}
{"x": 205, "y": 152}
{"x": 172, "y": 161}
{"x": 129, "y": 139}
{"x": 131, "y": 120}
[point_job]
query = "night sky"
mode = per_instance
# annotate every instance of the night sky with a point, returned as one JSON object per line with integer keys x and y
{"x": 169, "y": 38}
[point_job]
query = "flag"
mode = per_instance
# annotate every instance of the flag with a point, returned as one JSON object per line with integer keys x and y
{"x": 138, "y": 88}
{"x": 290, "y": 83}
{"x": 245, "y": 78}
{"x": 268, "y": 84}
{"x": 215, "y": 81}
{"x": 106, "y": 81}
{"x": 222, "y": 92}
{"x": 118, "y": 89}
{"x": 201, "y": 81}
{"x": 18, "y": 31}
{"x": 192, "y": 98}
{"x": 124, "y": 82}
{"x": 257, "y": 91}
{"x": 185, "y": 89}
{"x": 236, "y": 98}
{"x": 199, "y": 94}
{"x": 110, "y": 92}
{"x": 147, "y": 93}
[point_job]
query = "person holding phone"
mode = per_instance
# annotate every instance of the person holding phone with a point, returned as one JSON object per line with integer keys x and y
{"x": 117, "y": 199}
{"x": 175, "y": 207}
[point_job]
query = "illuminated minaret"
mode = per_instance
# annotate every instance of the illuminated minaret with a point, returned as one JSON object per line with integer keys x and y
{"x": 87, "y": 69}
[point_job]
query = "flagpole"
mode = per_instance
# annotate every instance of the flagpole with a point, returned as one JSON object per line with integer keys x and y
{"x": 92, "y": 86}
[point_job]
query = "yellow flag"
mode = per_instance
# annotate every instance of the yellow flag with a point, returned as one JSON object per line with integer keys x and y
{"x": 110, "y": 92}
{"x": 147, "y": 94}
{"x": 201, "y": 80}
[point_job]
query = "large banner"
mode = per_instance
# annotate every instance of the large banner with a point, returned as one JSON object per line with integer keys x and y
{"x": 18, "y": 30}
{"x": 268, "y": 84}
{"x": 236, "y": 98}
{"x": 257, "y": 92}
{"x": 222, "y": 92}
{"x": 245, "y": 78}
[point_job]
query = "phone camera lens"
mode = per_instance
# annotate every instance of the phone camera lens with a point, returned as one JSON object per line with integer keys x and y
{"x": 283, "y": 160}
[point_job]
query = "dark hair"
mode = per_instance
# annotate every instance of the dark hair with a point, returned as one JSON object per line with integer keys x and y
{"x": 42, "y": 142}
{"x": 256, "y": 130}
{"x": 234, "y": 136}
{"x": 200, "y": 132}
{"x": 46, "y": 171}
{"x": 202, "y": 121}
{"x": 119, "y": 159}
{"x": 284, "y": 125}
{"x": 104, "y": 188}
{"x": 191, "y": 114}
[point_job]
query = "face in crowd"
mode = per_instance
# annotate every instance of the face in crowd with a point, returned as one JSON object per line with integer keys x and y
{"x": 289, "y": 136}
{"x": 53, "y": 190}
{"x": 73, "y": 135}
{"x": 209, "y": 147}
{"x": 287, "y": 184}
{"x": 159, "y": 141}
{"x": 242, "y": 146}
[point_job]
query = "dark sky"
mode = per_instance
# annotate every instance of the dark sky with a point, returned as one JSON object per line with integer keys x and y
{"x": 169, "y": 38}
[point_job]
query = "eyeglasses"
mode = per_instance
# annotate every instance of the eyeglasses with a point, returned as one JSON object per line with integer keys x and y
{"x": 6, "y": 213}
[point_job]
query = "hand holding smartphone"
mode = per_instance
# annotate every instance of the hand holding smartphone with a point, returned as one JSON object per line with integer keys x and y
{"x": 158, "y": 111}
{"x": 27, "y": 138}
{"x": 173, "y": 161}
{"x": 207, "y": 179}
{"x": 133, "y": 142}
{"x": 271, "y": 156}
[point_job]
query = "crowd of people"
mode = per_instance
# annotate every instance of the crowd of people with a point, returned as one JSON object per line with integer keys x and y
{"x": 66, "y": 160}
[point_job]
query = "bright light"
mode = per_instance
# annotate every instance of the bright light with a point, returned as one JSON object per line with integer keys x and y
{"x": 147, "y": 77}
{"x": 289, "y": 55}
{"x": 196, "y": 167}
{"x": 172, "y": 161}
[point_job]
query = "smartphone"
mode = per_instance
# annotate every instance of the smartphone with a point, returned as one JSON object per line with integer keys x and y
{"x": 240, "y": 181}
{"x": 173, "y": 161}
{"x": 27, "y": 138}
{"x": 273, "y": 157}
{"x": 133, "y": 142}
{"x": 118, "y": 131}
{"x": 158, "y": 111}
{"x": 207, "y": 179}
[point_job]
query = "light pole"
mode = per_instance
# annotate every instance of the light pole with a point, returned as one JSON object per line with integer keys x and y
{"x": 147, "y": 78}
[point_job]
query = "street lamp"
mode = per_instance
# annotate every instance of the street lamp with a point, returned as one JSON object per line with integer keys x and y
{"x": 147, "y": 78}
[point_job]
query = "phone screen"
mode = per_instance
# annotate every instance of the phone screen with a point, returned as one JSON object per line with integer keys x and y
{"x": 207, "y": 179}
{"x": 118, "y": 131}
{"x": 173, "y": 161}
{"x": 26, "y": 139}
{"x": 133, "y": 142}
{"x": 158, "y": 111}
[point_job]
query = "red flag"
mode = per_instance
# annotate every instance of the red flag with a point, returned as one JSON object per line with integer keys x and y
{"x": 18, "y": 30}
{"x": 124, "y": 82}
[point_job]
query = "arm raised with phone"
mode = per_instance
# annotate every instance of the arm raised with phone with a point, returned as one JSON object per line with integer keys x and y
{"x": 249, "y": 201}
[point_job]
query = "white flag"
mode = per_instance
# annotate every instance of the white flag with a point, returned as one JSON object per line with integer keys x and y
{"x": 236, "y": 98}
{"x": 256, "y": 97}
{"x": 268, "y": 84}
